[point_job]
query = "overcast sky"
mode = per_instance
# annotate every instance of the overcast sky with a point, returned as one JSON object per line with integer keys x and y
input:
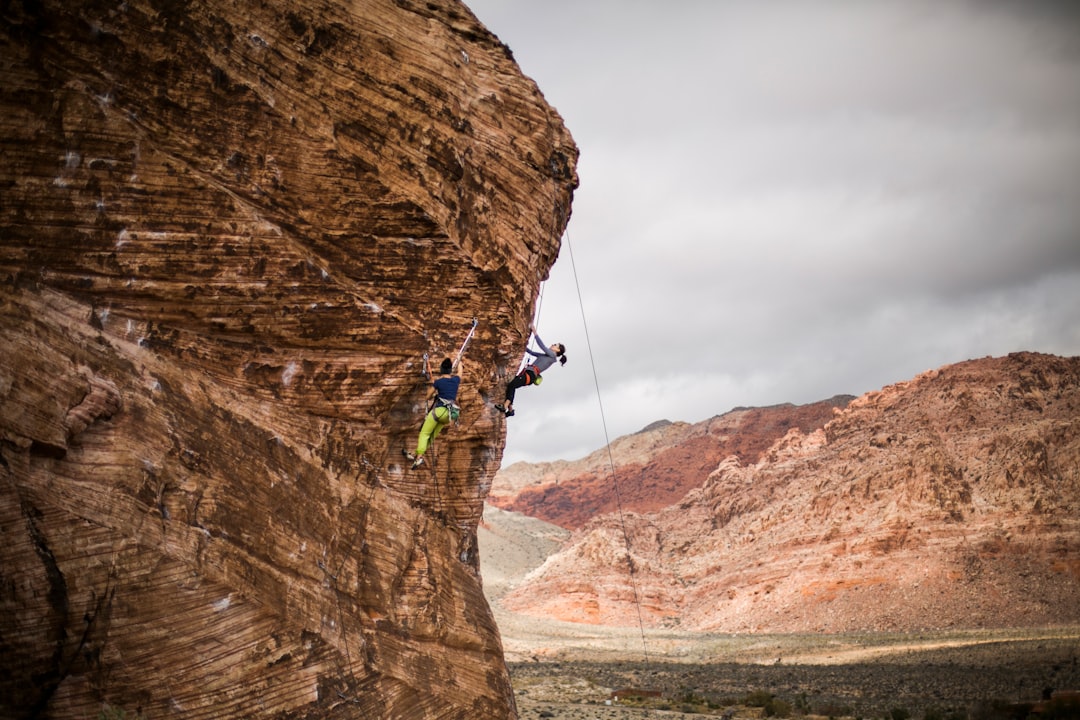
{"x": 785, "y": 201}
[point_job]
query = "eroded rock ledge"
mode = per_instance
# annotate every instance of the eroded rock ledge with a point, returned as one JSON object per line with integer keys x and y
{"x": 228, "y": 234}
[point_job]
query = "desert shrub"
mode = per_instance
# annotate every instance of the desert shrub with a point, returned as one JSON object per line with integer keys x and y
{"x": 802, "y": 704}
{"x": 770, "y": 705}
{"x": 758, "y": 698}
{"x": 777, "y": 708}
{"x": 834, "y": 710}
{"x": 998, "y": 710}
{"x": 1062, "y": 708}
{"x": 936, "y": 713}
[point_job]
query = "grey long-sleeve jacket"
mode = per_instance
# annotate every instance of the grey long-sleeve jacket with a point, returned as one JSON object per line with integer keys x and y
{"x": 544, "y": 359}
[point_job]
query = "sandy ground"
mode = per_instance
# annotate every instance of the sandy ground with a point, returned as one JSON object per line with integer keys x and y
{"x": 953, "y": 675}
{"x": 570, "y": 671}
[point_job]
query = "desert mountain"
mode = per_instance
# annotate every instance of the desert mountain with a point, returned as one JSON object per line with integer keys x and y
{"x": 512, "y": 545}
{"x": 654, "y": 468}
{"x": 951, "y": 500}
{"x": 229, "y": 233}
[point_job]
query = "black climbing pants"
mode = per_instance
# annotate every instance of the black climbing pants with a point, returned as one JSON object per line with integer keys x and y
{"x": 525, "y": 377}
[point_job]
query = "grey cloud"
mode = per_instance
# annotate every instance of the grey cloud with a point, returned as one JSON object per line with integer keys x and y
{"x": 783, "y": 201}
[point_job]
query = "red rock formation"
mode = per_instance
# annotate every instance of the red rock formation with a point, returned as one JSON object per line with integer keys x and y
{"x": 653, "y": 468}
{"x": 952, "y": 500}
{"x": 228, "y": 234}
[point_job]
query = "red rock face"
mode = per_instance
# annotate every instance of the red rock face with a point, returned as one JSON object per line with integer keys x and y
{"x": 654, "y": 468}
{"x": 228, "y": 235}
{"x": 952, "y": 500}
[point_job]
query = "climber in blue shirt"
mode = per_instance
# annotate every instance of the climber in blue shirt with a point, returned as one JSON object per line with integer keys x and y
{"x": 442, "y": 399}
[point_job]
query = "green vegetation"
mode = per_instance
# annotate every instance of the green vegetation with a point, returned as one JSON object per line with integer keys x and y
{"x": 770, "y": 704}
{"x": 831, "y": 710}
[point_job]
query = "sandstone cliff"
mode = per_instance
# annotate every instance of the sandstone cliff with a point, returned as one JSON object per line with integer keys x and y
{"x": 950, "y": 501}
{"x": 228, "y": 234}
{"x": 654, "y": 468}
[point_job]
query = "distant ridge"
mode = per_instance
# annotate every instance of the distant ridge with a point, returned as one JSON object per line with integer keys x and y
{"x": 656, "y": 466}
{"x": 949, "y": 501}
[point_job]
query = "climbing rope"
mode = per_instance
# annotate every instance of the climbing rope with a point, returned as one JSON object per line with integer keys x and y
{"x": 535, "y": 322}
{"x": 539, "y": 303}
{"x": 465, "y": 344}
{"x": 611, "y": 460}
{"x": 432, "y": 455}
{"x": 554, "y": 235}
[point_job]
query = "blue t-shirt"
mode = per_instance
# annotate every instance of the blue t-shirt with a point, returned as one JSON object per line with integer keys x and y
{"x": 447, "y": 387}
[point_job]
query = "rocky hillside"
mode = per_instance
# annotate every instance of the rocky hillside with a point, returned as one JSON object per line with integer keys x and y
{"x": 950, "y": 501}
{"x": 654, "y": 468}
{"x": 229, "y": 232}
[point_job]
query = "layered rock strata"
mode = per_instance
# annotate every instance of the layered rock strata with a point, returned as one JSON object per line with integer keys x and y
{"x": 228, "y": 235}
{"x": 950, "y": 501}
{"x": 652, "y": 468}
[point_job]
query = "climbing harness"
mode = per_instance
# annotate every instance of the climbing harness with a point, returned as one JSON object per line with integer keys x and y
{"x": 452, "y": 414}
{"x": 453, "y": 410}
{"x": 442, "y": 410}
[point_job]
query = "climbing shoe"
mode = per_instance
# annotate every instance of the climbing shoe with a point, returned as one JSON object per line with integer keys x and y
{"x": 509, "y": 413}
{"x": 417, "y": 462}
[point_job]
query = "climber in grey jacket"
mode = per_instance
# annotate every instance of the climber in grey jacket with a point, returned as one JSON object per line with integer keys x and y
{"x": 531, "y": 375}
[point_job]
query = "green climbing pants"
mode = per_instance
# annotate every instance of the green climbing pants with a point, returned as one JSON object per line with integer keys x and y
{"x": 434, "y": 422}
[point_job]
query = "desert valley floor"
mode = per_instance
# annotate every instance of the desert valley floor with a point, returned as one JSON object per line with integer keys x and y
{"x": 929, "y": 675}
{"x": 569, "y": 671}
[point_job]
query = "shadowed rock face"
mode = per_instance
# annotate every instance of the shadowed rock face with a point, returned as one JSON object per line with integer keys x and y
{"x": 228, "y": 235}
